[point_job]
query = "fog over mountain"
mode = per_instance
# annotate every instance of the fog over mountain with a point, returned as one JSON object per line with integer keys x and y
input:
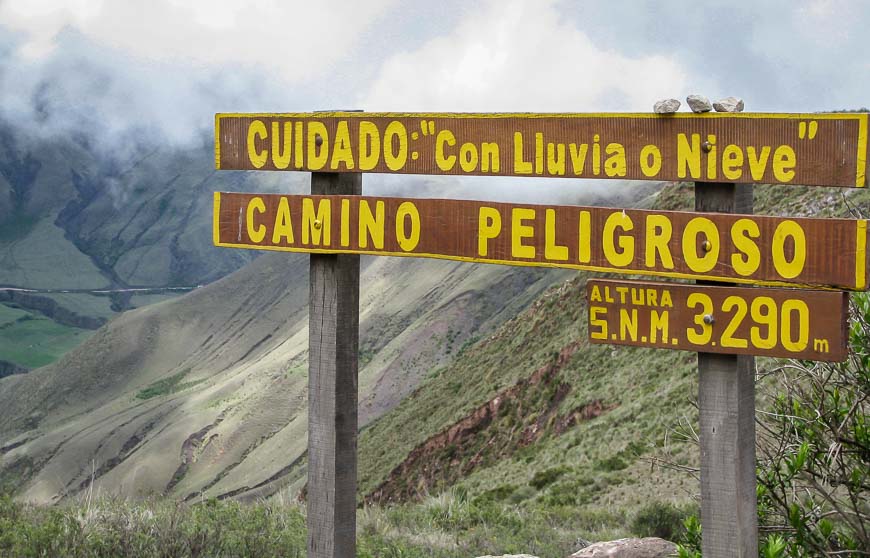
{"x": 125, "y": 75}
{"x": 141, "y": 365}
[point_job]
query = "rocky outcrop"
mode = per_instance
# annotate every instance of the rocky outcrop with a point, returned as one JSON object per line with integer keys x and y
{"x": 650, "y": 547}
{"x": 515, "y": 418}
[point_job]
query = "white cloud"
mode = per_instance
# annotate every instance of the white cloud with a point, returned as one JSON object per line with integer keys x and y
{"x": 293, "y": 39}
{"x": 128, "y": 70}
{"x": 824, "y": 22}
{"x": 519, "y": 55}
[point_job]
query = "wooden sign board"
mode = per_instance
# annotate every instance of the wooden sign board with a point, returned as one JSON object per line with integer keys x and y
{"x": 808, "y": 149}
{"x": 740, "y": 248}
{"x": 790, "y": 323}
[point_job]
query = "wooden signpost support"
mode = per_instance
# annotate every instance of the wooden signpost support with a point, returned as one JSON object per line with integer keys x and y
{"x": 726, "y": 404}
{"x": 335, "y": 225}
{"x": 333, "y": 347}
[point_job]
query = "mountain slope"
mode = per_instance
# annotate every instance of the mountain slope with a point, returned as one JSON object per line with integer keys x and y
{"x": 76, "y": 220}
{"x": 535, "y": 414}
{"x": 72, "y": 216}
{"x": 207, "y": 392}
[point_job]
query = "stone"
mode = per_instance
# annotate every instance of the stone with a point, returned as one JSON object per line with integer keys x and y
{"x": 666, "y": 106}
{"x": 650, "y": 547}
{"x": 699, "y": 103}
{"x": 729, "y": 104}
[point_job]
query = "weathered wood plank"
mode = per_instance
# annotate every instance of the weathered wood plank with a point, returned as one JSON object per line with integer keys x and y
{"x": 746, "y": 249}
{"x": 726, "y": 402}
{"x": 790, "y": 323}
{"x": 808, "y": 149}
{"x": 333, "y": 330}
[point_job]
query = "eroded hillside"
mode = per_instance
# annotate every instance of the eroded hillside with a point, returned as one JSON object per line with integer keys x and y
{"x": 206, "y": 394}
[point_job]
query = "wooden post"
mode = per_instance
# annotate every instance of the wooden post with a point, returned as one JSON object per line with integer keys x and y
{"x": 333, "y": 343}
{"x": 726, "y": 401}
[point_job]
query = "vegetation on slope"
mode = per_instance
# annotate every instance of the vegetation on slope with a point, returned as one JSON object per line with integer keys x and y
{"x": 519, "y": 480}
{"x": 31, "y": 340}
{"x": 813, "y": 455}
{"x": 465, "y": 426}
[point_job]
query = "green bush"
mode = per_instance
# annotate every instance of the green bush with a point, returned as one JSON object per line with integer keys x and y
{"x": 613, "y": 463}
{"x": 659, "y": 519}
{"x": 497, "y": 494}
{"x": 521, "y": 494}
{"x": 547, "y": 476}
{"x": 814, "y": 455}
{"x": 171, "y": 384}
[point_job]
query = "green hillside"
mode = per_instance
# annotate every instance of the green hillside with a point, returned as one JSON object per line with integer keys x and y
{"x": 205, "y": 394}
{"x": 31, "y": 340}
{"x": 77, "y": 219}
{"x": 489, "y": 422}
{"x": 535, "y": 417}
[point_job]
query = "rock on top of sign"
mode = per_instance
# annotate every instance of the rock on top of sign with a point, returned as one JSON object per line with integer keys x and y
{"x": 729, "y": 104}
{"x": 666, "y": 106}
{"x": 699, "y": 103}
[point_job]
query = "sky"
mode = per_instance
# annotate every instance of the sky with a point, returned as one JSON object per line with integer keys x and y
{"x": 160, "y": 69}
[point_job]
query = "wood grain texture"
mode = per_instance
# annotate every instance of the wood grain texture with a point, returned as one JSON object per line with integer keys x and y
{"x": 808, "y": 149}
{"x": 333, "y": 391}
{"x": 726, "y": 401}
{"x": 658, "y": 243}
{"x": 726, "y": 406}
{"x": 789, "y": 323}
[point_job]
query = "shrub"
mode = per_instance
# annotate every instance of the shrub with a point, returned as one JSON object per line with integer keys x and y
{"x": 613, "y": 463}
{"x": 547, "y": 476}
{"x": 497, "y": 494}
{"x": 814, "y": 455}
{"x": 659, "y": 519}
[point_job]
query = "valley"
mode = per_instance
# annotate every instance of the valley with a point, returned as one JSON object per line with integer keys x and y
{"x": 477, "y": 384}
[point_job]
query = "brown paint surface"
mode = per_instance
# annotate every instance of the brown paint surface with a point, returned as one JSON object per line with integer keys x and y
{"x": 623, "y": 312}
{"x": 450, "y": 229}
{"x": 827, "y": 149}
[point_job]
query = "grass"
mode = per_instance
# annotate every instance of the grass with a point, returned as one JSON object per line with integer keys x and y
{"x": 166, "y": 386}
{"x": 32, "y": 340}
{"x": 161, "y": 528}
{"x": 596, "y": 462}
{"x": 157, "y": 528}
{"x": 445, "y": 526}
{"x": 84, "y": 304}
{"x": 17, "y": 226}
{"x": 45, "y": 258}
{"x": 591, "y": 480}
{"x": 601, "y": 463}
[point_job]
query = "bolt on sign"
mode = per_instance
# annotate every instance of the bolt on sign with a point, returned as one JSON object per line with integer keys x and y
{"x": 806, "y": 149}
{"x": 739, "y": 248}
{"x": 733, "y": 320}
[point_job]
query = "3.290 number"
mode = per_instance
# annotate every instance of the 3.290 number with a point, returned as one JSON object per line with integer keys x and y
{"x": 770, "y": 324}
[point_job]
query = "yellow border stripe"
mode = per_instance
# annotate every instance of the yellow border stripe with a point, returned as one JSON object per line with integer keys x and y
{"x": 217, "y": 141}
{"x": 622, "y": 271}
{"x": 861, "y": 117}
{"x": 216, "y": 224}
{"x": 861, "y": 256}
{"x": 861, "y": 174}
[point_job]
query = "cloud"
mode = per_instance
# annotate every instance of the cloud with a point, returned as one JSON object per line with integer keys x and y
{"x": 521, "y": 55}
{"x": 292, "y": 39}
{"x": 127, "y": 72}
{"x": 779, "y": 55}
